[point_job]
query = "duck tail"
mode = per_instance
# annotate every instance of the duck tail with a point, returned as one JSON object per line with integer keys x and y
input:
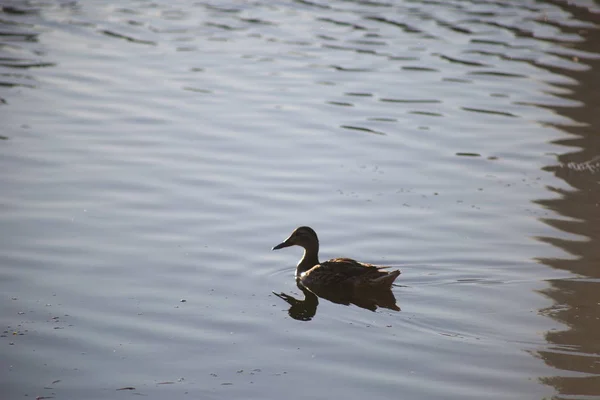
{"x": 386, "y": 280}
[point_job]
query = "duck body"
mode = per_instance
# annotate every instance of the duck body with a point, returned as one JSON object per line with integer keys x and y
{"x": 349, "y": 274}
{"x": 339, "y": 274}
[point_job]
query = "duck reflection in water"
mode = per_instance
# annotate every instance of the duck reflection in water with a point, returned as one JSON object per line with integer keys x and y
{"x": 340, "y": 280}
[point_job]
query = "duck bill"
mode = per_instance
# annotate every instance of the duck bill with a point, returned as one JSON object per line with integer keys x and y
{"x": 282, "y": 245}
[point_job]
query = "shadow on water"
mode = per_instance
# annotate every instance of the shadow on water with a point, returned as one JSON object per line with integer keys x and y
{"x": 305, "y": 310}
{"x": 577, "y": 301}
{"x": 301, "y": 310}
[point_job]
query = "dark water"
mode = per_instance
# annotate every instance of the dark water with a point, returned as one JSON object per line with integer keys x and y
{"x": 153, "y": 152}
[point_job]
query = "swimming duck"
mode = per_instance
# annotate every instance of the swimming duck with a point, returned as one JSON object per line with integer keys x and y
{"x": 345, "y": 273}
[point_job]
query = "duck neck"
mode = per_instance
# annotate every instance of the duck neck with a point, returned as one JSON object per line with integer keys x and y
{"x": 309, "y": 259}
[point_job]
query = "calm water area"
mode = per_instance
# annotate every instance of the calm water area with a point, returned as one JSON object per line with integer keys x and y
{"x": 153, "y": 151}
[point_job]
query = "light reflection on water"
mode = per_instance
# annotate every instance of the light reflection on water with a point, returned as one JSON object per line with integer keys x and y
{"x": 154, "y": 151}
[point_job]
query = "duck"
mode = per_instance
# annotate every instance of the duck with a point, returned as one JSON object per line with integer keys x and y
{"x": 340, "y": 273}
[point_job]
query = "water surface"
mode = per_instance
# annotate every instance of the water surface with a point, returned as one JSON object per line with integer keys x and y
{"x": 153, "y": 152}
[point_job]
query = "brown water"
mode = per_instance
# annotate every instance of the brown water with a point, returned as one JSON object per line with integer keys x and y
{"x": 153, "y": 152}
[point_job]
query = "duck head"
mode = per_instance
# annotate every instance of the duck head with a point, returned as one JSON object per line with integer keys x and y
{"x": 303, "y": 236}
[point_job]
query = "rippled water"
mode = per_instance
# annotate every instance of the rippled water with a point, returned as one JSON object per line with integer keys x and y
{"x": 153, "y": 152}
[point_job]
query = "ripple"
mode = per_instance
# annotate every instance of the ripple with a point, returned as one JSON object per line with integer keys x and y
{"x": 427, "y": 113}
{"x": 419, "y": 69}
{"x": 410, "y": 101}
{"x": 362, "y": 129}
{"x": 383, "y": 119}
{"x": 358, "y": 94}
{"x": 342, "y": 23}
{"x": 340, "y": 103}
{"x": 126, "y": 38}
{"x": 464, "y": 62}
{"x": 492, "y": 112}
{"x": 497, "y": 73}
{"x": 348, "y": 69}
{"x": 197, "y": 90}
{"x": 404, "y": 26}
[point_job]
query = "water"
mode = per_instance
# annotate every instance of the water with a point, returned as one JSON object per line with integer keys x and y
{"x": 154, "y": 152}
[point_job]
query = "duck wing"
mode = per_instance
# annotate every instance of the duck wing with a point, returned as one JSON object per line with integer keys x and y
{"x": 340, "y": 270}
{"x": 353, "y": 268}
